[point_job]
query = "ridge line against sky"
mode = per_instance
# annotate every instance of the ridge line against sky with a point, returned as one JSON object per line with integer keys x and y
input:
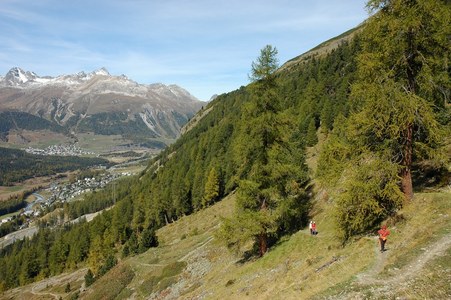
{"x": 206, "y": 47}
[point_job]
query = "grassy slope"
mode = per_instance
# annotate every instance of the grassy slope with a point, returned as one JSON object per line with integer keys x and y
{"x": 190, "y": 263}
{"x": 322, "y": 49}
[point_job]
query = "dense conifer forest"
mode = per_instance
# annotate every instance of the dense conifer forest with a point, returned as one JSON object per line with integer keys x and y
{"x": 201, "y": 167}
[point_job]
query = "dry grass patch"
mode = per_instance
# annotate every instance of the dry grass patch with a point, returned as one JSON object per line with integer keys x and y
{"x": 168, "y": 276}
{"x": 111, "y": 284}
{"x": 428, "y": 219}
{"x": 191, "y": 264}
{"x": 417, "y": 264}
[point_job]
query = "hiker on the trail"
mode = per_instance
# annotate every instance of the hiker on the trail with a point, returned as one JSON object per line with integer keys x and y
{"x": 310, "y": 226}
{"x": 314, "y": 232}
{"x": 383, "y": 234}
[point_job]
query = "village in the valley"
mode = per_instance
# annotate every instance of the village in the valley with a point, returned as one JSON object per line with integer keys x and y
{"x": 61, "y": 150}
{"x": 59, "y": 191}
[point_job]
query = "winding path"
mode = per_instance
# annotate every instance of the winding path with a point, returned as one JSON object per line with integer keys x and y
{"x": 39, "y": 286}
{"x": 436, "y": 249}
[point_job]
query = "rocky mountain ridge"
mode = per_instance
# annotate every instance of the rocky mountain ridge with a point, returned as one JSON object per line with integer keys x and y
{"x": 20, "y": 78}
{"x": 99, "y": 102}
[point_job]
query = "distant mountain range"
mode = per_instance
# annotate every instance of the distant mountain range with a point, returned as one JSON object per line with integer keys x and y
{"x": 94, "y": 102}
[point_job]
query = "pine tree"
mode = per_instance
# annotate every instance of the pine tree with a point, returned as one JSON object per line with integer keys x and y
{"x": 327, "y": 116}
{"x": 138, "y": 215}
{"x": 211, "y": 192}
{"x": 96, "y": 255}
{"x": 311, "y": 137}
{"x": 89, "y": 278}
{"x": 148, "y": 239}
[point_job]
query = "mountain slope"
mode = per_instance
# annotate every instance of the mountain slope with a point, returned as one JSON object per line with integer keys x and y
{"x": 174, "y": 183}
{"x": 191, "y": 263}
{"x": 315, "y": 97}
{"x": 304, "y": 266}
{"x": 100, "y": 103}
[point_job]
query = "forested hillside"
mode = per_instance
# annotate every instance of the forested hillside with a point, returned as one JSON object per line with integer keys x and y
{"x": 178, "y": 181}
{"x": 20, "y": 120}
{"x": 254, "y": 140}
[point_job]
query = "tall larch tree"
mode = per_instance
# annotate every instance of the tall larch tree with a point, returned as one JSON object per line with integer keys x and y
{"x": 270, "y": 185}
{"x": 262, "y": 132}
{"x": 403, "y": 80}
{"x": 401, "y": 89}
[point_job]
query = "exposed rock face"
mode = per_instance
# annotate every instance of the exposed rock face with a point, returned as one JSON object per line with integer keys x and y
{"x": 99, "y": 102}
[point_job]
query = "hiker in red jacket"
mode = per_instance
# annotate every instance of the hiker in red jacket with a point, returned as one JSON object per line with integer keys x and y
{"x": 383, "y": 234}
{"x": 314, "y": 232}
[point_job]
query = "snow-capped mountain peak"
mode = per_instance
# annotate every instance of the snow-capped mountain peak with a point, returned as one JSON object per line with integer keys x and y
{"x": 17, "y": 76}
{"x": 155, "y": 110}
{"x": 101, "y": 71}
{"x": 81, "y": 74}
{"x": 97, "y": 82}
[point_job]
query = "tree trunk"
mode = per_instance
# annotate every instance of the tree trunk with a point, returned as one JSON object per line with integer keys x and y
{"x": 406, "y": 175}
{"x": 263, "y": 245}
{"x": 262, "y": 237}
{"x": 166, "y": 218}
{"x": 412, "y": 73}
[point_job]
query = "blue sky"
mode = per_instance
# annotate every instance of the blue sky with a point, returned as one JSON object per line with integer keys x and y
{"x": 204, "y": 46}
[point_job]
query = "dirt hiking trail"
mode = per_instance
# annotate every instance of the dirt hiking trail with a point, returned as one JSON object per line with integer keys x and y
{"x": 370, "y": 277}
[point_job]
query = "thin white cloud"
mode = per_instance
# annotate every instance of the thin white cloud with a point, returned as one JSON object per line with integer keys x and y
{"x": 202, "y": 43}
{"x": 18, "y": 14}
